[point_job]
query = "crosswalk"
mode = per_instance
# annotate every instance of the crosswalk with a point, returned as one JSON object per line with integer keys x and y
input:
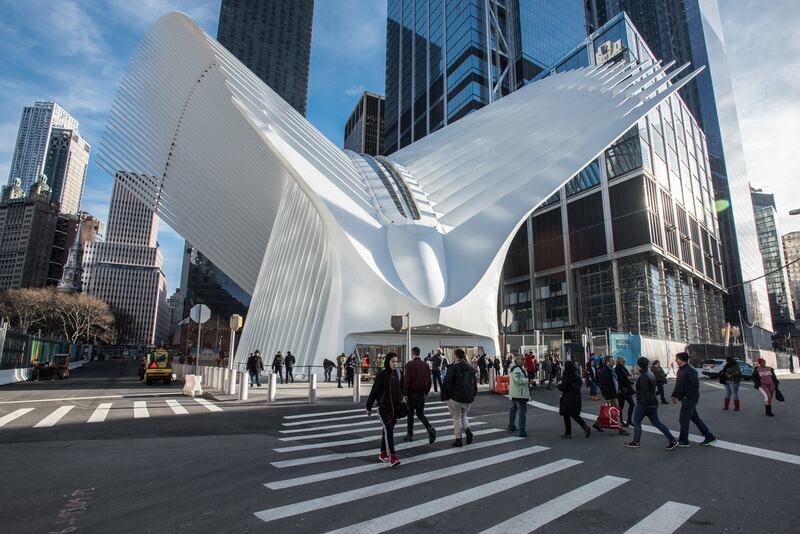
{"x": 45, "y": 416}
{"x": 334, "y": 466}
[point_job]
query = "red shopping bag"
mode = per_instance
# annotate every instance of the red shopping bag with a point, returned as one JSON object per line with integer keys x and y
{"x": 609, "y": 417}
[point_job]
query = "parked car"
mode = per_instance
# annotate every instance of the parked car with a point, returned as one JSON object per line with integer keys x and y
{"x": 712, "y": 368}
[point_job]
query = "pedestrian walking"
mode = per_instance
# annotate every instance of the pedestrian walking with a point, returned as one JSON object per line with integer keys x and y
{"x": 661, "y": 379}
{"x": 416, "y": 385}
{"x": 569, "y": 406}
{"x": 519, "y": 391}
{"x": 459, "y": 389}
{"x": 764, "y": 379}
{"x": 387, "y": 392}
{"x": 483, "y": 367}
{"x": 529, "y": 365}
{"x": 328, "y": 366}
{"x": 507, "y": 362}
{"x": 254, "y": 368}
{"x": 289, "y": 362}
{"x": 497, "y": 366}
{"x": 647, "y": 406}
{"x": 350, "y": 369}
{"x": 591, "y": 379}
{"x": 557, "y": 370}
{"x": 277, "y": 365}
{"x": 547, "y": 368}
{"x": 625, "y": 390}
{"x": 340, "y": 369}
{"x": 687, "y": 391}
{"x": 609, "y": 390}
{"x": 731, "y": 376}
{"x": 436, "y": 370}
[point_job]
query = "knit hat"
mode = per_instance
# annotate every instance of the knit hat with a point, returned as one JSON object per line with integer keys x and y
{"x": 761, "y": 361}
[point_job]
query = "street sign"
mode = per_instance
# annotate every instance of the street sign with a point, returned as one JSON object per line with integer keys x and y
{"x": 200, "y": 313}
{"x": 507, "y": 317}
{"x": 399, "y": 322}
{"x": 236, "y": 321}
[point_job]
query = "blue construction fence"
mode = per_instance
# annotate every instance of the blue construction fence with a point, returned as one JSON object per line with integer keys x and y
{"x": 22, "y": 350}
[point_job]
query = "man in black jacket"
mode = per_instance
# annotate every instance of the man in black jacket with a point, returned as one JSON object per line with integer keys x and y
{"x": 289, "y": 362}
{"x": 687, "y": 390}
{"x": 459, "y": 390}
{"x": 416, "y": 385}
{"x": 436, "y": 369}
{"x": 647, "y": 405}
{"x": 609, "y": 389}
{"x": 254, "y": 368}
{"x": 625, "y": 392}
{"x": 483, "y": 369}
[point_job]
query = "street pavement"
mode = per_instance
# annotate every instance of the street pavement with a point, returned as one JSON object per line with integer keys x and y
{"x": 101, "y": 452}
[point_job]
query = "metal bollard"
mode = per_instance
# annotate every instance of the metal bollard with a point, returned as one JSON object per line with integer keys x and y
{"x": 272, "y": 394}
{"x": 231, "y": 381}
{"x": 244, "y": 386}
{"x": 357, "y": 386}
{"x": 492, "y": 378}
{"x": 312, "y": 388}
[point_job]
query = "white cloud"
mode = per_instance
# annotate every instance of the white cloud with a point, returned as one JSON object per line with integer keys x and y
{"x": 355, "y": 90}
{"x": 142, "y": 13}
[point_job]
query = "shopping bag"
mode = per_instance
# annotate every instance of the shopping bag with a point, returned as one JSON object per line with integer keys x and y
{"x": 609, "y": 417}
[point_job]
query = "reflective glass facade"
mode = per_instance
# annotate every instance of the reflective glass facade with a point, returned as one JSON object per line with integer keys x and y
{"x": 363, "y": 131}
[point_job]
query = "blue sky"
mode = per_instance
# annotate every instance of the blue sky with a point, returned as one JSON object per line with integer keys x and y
{"x": 74, "y": 53}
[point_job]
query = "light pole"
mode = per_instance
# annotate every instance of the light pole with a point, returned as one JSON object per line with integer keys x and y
{"x": 795, "y": 212}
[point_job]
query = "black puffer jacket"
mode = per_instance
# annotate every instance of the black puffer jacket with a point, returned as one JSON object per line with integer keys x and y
{"x": 386, "y": 391}
{"x": 460, "y": 384}
{"x": 570, "y": 387}
{"x": 623, "y": 379}
{"x": 646, "y": 390}
{"x": 607, "y": 386}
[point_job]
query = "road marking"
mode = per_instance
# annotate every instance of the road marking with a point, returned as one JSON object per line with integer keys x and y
{"x": 327, "y": 475}
{"x": 54, "y": 417}
{"x": 128, "y": 396}
{"x": 16, "y": 414}
{"x": 350, "y": 417}
{"x": 667, "y": 519}
{"x": 140, "y": 410}
{"x": 345, "y": 497}
{"x": 208, "y": 405}
{"x": 176, "y": 407}
{"x": 307, "y": 460}
{"x": 374, "y": 438}
{"x": 539, "y": 516}
{"x": 720, "y": 444}
{"x": 352, "y": 431}
{"x": 100, "y": 413}
{"x": 713, "y": 385}
{"x": 323, "y": 414}
{"x": 373, "y": 421}
{"x": 449, "y": 502}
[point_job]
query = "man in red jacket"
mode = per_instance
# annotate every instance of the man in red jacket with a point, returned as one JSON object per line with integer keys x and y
{"x": 529, "y": 364}
{"x": 416, "y": 385}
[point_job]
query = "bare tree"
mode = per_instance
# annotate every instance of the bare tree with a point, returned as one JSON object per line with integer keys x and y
{"x": 28, "y": 308}
{"x": 84, "y": 317}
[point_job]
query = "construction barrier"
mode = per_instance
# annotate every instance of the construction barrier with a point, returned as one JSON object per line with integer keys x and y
{"x": 501, "y": 385}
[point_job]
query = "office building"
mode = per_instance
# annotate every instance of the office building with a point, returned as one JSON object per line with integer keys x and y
{"x": 772, "y": 254}
{"x": 691, "y": 31}
{"x": 126, "y": 270}
{"x": 438, "y": 54}
{"x": 631, "y": 243}
{"x": 273, "y": 39}
{"x": 33, "y": 140}
{"x": 28, "y": 225}
{"x": 363, "y": 132}
{"x": 791, "y": 252}
{"x": 65, "y": 166}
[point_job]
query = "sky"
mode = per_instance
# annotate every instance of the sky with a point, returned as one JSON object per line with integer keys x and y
{"x": 74, "y": 52}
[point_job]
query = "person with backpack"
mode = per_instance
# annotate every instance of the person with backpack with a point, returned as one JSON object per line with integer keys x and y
{"x": 731, "y": 376}
{"x": 569, "y": 406}
{"x": 254, "y": 368}
{"x": 289, "y": 362}
{"x": 277, "y": 365}
{"x": 647, "y": 406}
{"x": 387, "y": 392}
{"x": 764, "y": 379}
{"x": 661, "y": 379}
{"x": 417, "y": 385}
{"x": 459, "y": 389}
{"x": 519, "y": 391}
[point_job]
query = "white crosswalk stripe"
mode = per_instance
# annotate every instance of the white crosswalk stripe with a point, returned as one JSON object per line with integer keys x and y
{"x": 374, "y": 416}
{"x": 337, "y": 412}
{"x": 666, "y": 519}
{"x": 176, "y": 407}
{"x": 208, "y": 405}
{"x": 140, "y": 410}
{"x": 54, "y": 417}
{"x": 349, "y": 431}
{"x": 100, "y": 413}
{"x": 16, "y": 414}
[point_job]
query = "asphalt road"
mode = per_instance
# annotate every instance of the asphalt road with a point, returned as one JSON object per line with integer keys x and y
{"x": 152, "y": 460}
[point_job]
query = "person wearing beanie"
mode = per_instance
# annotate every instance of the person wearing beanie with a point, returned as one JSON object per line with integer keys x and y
{"x": 647, "y": 406}
{"x": 764, "y": 379}
{"x": 687, "y": 391}
{"x": 387, "y": 392}
{"x": 730, "y": 377}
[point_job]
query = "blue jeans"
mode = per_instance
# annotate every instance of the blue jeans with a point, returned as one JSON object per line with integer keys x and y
{"x": 520, "y": 405}
{"x": 651, "y": 413}
{"x": 593, "y": 388}
{"x": 732, "y": 389}
{"x": 255, "y": 377}
{"x": 689, "y": 413}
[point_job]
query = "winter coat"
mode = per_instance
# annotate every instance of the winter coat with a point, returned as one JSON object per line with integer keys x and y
{"x": 530, "y": 364}
{"x": 757, "y": 377}
{"x": 417, "y": 377}
{"x": 591, "y": 373}
{"x": 623, "y": 379}
{"x": 386, "y": 391}
{"x": 254, "y": 364}
{"x": 518, "y": 386}
{"x": 687, "y": 384}
{"x": 289, "y": 361}
{"x": 570, "y": 402}
{"x": 277, "y": 363}
{"x": 460, "y": 383}
{"x": 661, "y": 376}
{"x": 646, "y": 390}
{"x": 608, "y": 386}
{"x": 730, "y": 373}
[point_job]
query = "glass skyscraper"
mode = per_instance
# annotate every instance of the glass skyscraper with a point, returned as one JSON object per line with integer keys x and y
{"x": 447, "y": 58}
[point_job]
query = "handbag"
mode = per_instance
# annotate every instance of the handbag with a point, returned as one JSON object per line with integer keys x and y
{"x": 401, "y": 411}
{"x": 779, "y": 395}
{"x": 609, "y": 417}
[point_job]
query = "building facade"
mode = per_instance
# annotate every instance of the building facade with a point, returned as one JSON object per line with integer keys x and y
{"x": 33, "y": 140}
{"x": 126, "y": 270}
{"x": 273, "y": 39}
{"x": 65, "y": 165}
{"x": 691, "y": 31}
{"x": 363, "y": 131}
{"x": 89, "y": 228}
{"x": 447, "y": 58}
{"x": 631, "y": 243}
{"x": 791, "y": 252}
{"x": 28, "y": 225}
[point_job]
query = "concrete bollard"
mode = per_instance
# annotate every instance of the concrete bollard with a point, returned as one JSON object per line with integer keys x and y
{"x": 312, "y": 388}
{"x": 232, "y": 381}
{"x": 218, "y": 378}
{"x": 492, "y": 378}
{"x": 244, "y": 386}
{"x": 272, "y": 393}
{"x": 357, "y": 386}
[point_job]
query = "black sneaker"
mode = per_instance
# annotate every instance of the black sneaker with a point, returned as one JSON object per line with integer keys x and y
{"x": 566, "y": 436}
{"x": 632, "y": 445}
{"x": 708, "y": 441}
{"x": 587, "y": 431}
{"x": 457, "y": 443}
{"x": 408, "y": 438}
{"x": 431, "y": 435}
{"x": 624, "y": 432}
{"x": 673, "y": 445}
{"x": 511, "y": 428}
{"x": 596, "y": 427}
{"x": 683, "y": 444}
{"x": 468, "y": 433}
